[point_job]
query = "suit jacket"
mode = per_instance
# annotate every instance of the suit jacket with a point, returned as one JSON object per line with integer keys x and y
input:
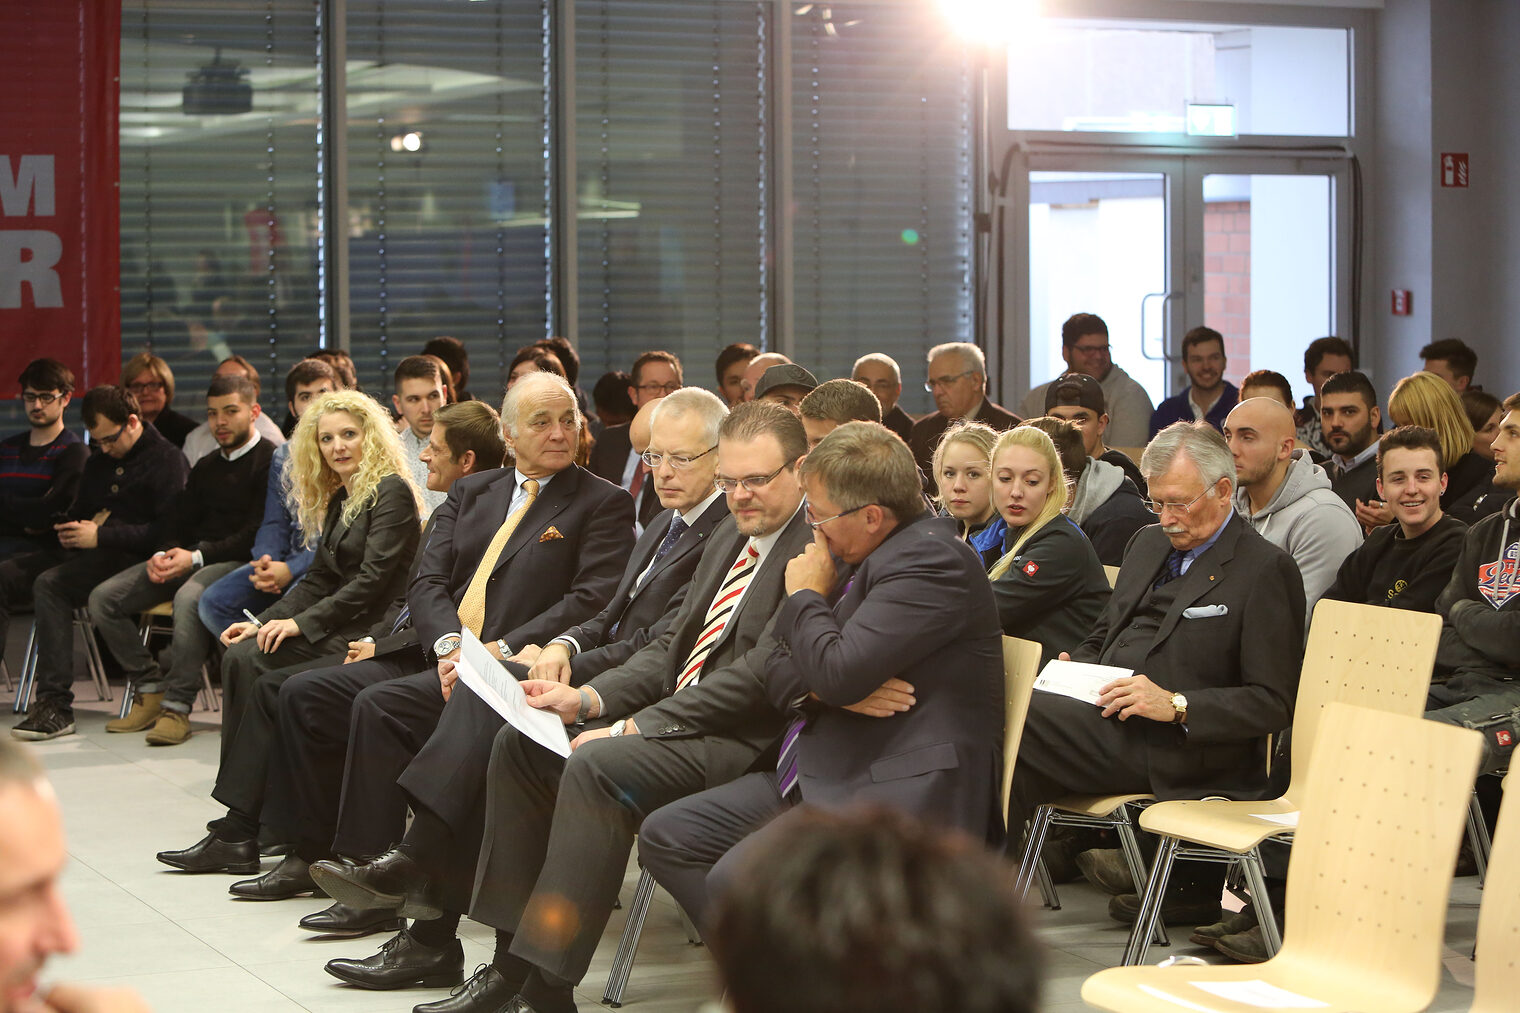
{"x": 1238, "y": 668}
{"x": 393, "y": 630}
{"x": 541, "y": 584}
{"x": 928, "y": 430}
{"x": 919, "y": 609}
{"x": 358, "y": 568}
{"x": 900, "y": 422}
{"x": 610, "y": 454}
{"x": 643, "y": 612}
{"x": 727, "y": 707}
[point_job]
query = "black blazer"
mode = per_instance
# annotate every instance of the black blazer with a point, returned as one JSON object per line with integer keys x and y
{"x": 928, "y": 430}
{"x": 1054, "y": 590}
{"x": 1238, "y": 670}
{"x": 900, "y": 422}
{"x": 559, "y": 567}
{"x": 727, "y": 706}
{"x": 358, "y": 568}
{"x": 643, "y": 612}
{"x": 610, "y": 454}
{"x": 919, "y": 609}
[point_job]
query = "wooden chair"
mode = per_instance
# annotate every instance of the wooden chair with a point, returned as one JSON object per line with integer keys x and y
{"x": 1367, "y": 889}
{"x": 1361, "y": 654}
{"x": 150, "y": 624}
{"x": 1112, "y": 572}
{"x": 1497, "y": 979}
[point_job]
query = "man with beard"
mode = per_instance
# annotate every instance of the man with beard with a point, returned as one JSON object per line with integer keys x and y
{"x": 1349, "y": 420}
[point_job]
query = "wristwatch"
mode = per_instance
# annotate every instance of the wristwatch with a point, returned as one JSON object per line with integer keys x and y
{"x": 1179, "y": 704}
{"x": 617, "y": 729}
{"x": 366, "y": 640}
{"x": 447, "y": 644}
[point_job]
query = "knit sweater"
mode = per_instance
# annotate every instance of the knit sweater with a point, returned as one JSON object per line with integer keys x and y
{"x": 221, "y": 507}
{"x": 136, "y": 488}
{"x": 38, "y": 482}
{"x": 1403, "y": 573}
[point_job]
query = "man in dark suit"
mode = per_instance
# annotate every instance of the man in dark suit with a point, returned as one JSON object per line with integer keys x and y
{"x": 515, "y": 556}
{"x": 445, "y": 783}
{"x": 881, "y": 374}
{"x": 655, "y": 374}
{"x": 687, "y": 712}
{"x": 915, "y": 610}
{"x": 1210, "y": 618}
{"x": 958, "y": 381}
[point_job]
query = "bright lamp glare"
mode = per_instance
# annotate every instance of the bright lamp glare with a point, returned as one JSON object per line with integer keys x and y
{"x": 993, "y": 22}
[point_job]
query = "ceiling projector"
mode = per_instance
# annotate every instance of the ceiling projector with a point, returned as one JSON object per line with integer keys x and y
{"x": 218, "y": 89}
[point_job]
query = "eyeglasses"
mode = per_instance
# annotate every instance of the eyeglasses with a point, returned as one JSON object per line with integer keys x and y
{"x": 42, "y": 399}
{"x": 816, "y": 524}
{"x": 145, "y": 386}
{"x": 945, "y": 381}
{"x": 659, "y": 388}
{"x": 1181, "y": 509}
{"x": 106, "y": 441}
{"x": 750, "y": 483}
{"x": 1089, "y": 349}
{"x": 654, "y": 460}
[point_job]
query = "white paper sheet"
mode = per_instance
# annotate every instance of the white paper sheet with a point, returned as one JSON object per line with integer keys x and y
{"x": 1077, "y": 679}
{"x": 1258, "y": 993}
{"x": 1281, "y": 819}
{"x": 495, "y": 685}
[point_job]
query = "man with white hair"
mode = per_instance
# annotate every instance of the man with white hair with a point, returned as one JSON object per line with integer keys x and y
{"x": 958, "y": 382}
{"x": 881, "y": 374}
{"x": 1209, "y": 617}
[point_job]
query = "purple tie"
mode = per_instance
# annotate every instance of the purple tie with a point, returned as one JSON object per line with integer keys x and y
{"x": 786, "y": 761}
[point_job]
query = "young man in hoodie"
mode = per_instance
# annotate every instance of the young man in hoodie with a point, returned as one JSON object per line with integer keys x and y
{"x": 1477, "y": 674}
{"x": 1079, "y": 399}
{"x": 1286, "y": 497}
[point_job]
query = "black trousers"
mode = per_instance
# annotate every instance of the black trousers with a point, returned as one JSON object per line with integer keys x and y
{"x": 306, "y": 758}
{"x": 558, "y": 834}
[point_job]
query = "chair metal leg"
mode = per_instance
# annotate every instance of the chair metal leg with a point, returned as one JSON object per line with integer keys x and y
{"x": 1477, "y": 836}
{"x": 1256, "y": 882}
{"x": 692, "y": 935}
{"x": 126, "y": 699}
{"x": 1034, "y": 844}
{"x": 1150, "y": 903}
{"x": 1130, "y": 849}
{"x": 208, "y": 691}
{"x": 93, "y": 660}
{"x": 5, "y": 673}
{"x": 28, "y": 674}
{"x": 1047, "y": 886}
{"x": 628, "y": 945}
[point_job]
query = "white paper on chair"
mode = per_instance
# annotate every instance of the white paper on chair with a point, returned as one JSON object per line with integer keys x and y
{"x": 486, "y": 677}
{"x": 1258, "y": 993}
{"x": 1281, "y": 819}
{"x": 1077, "y": 679}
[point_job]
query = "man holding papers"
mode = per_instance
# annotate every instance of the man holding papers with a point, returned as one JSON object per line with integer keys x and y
{"x": 1209, "y": 617}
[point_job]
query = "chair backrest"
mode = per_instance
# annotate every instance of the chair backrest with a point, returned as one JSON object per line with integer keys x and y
{"x": 1112, "y": 572}
{"x": 1376, "y": 846}
{"x": 1021, "y": 664}
{"x": 1498, "y": 970}
{"x": 1365, "y": 655}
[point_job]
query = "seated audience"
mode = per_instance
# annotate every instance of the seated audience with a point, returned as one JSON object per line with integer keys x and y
{"x": 1408, "y": 563}
{"x": 570, "y": 360}
{"x": 873, "y": 911}
{"x": 756, "y": 368}
{"x": 1079, "y": 399}
{"x": 1350, "y": 422}
{"x": 1267, "y": 383}
{"x": 1477, "y": 676}
{"x": 420, "y": 391}
{"x": 958, "y": 382}
{"x": 150, "y": 380}
{"x": 654, "y": 375}
{"x": 731, "y": 364}
{"x": 1452, "y": 361}
{"x": 281, "y": 553}
{"x": 1209, "y": 618}
{"x": 880, "y": 373}
{"x": 1483, "y": 413}
{"x": 452, "y": 351}
{"x": 1085, "y": 348}
{"x": 832, "y": 403}
{"x": 205, "y": 535}
{"x": 200, "y": 441}
{"x": 1101, "y": 500}
{"x": 610, "y": 400}
{"x": 1424, "y": 399}
{"x": 1209, "y": 396}
{"x": 40, "y": 467}
{"x": 1324, "y": 358}
{"x": 963, "y": 472}
{"x": 532, "y": 359}
{"x": 1286, "y": 497}
{"x": 1049, "y": 585}
{"x": 786, "y": 384}
{"x": 450, "y": 392}
{"x": 126, "y": 490}
{"x": 886, "y": 616}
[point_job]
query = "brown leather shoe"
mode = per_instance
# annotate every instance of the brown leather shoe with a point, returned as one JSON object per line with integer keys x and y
{"x": 146, "y": 707}
{"x": 170, "y": 729}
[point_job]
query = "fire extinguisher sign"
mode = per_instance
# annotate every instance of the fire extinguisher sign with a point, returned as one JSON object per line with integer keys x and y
{"x": 1454, "y": 168}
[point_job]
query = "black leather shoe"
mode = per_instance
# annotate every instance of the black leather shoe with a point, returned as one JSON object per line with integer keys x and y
{"x": 342, "y": 920}
{"x": 486, "y": 992}
{"x": 521, "y": 1005}
{"x": 212, "y": 854}
{"x": 392, "y": 882}
{"x": 291, "y": 878}
{"x": 401, "y": 963}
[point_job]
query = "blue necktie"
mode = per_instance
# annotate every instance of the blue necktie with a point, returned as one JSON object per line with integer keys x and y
{"x": 1173, "y": 568}
{"x": 678, "y": 527}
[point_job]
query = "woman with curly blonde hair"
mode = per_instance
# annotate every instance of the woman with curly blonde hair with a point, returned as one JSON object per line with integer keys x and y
{"x": 1424, "y": 399}
{"x": 353, "y": 497}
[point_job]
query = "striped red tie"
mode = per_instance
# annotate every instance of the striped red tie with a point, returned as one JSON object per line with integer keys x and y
{"x": 718, "y": 614}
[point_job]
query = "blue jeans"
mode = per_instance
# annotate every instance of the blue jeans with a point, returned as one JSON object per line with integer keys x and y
{"x": 222, "y": 603}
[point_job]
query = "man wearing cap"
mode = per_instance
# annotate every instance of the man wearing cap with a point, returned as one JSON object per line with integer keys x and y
{"x": 1079, "y": 399}
{"x": 958, "y": 381}
{"x": 785, "y": 384}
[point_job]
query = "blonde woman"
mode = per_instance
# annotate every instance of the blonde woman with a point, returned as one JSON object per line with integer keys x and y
{"x": 1425, "y": 399}
{"x": 963, "y": 475}
{"x": 353, "y": 497}
{"x": 1049, "y": 585}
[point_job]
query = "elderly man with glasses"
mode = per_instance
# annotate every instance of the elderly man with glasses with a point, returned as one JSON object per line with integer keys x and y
{"x": 1205, "y": 631}
{"x": 958, "y": 382}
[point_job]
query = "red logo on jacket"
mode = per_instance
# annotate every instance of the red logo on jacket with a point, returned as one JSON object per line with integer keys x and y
{"x": 1031, "y": 568}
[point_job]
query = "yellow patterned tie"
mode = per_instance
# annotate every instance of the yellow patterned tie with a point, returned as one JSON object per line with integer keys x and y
{"x": 472, "y": 608}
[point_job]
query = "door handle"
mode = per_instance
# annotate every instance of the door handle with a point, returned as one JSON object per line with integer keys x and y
{"x": 1165, "y": 298}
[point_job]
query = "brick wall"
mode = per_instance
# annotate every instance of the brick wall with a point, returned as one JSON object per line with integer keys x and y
{"x": 1227, "y": 280}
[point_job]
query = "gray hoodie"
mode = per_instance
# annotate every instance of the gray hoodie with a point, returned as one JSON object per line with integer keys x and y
{"x": 1307, "y": 521}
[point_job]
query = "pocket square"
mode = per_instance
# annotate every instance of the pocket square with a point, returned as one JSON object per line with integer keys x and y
{"x": 552, "y": 535}
{"x": 1205, "y": 611}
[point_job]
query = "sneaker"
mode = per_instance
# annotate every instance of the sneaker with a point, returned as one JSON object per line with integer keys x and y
{"x": 146, "y": 708}
{"x": 1246, "y": 947}
{"x": 170, "y": 729}
{"x": 1106, "y": 869}
{"x": 46, "y": 721}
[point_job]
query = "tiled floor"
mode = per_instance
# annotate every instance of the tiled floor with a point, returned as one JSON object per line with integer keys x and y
{"x": 188, "y": 946}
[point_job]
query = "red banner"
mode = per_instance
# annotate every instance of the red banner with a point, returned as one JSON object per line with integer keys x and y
{"x": 59, "y": 215}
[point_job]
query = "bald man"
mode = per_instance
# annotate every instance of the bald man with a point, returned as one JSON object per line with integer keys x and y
{"x": 1286, "y": 497}
{"x": 757, "y": 366}
{"x": 646, "y": 503}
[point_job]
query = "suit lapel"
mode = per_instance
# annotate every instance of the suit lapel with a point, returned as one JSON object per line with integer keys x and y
{"x": 541, "y": 514}
{"x": 1205, "y": 573}
{"x": 772, "y": 570}
{"x": 691, "y": 540}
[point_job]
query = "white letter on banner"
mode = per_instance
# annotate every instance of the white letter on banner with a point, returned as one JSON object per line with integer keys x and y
{"x": 33, "y": 178}
{"x": 46, "y": 249}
